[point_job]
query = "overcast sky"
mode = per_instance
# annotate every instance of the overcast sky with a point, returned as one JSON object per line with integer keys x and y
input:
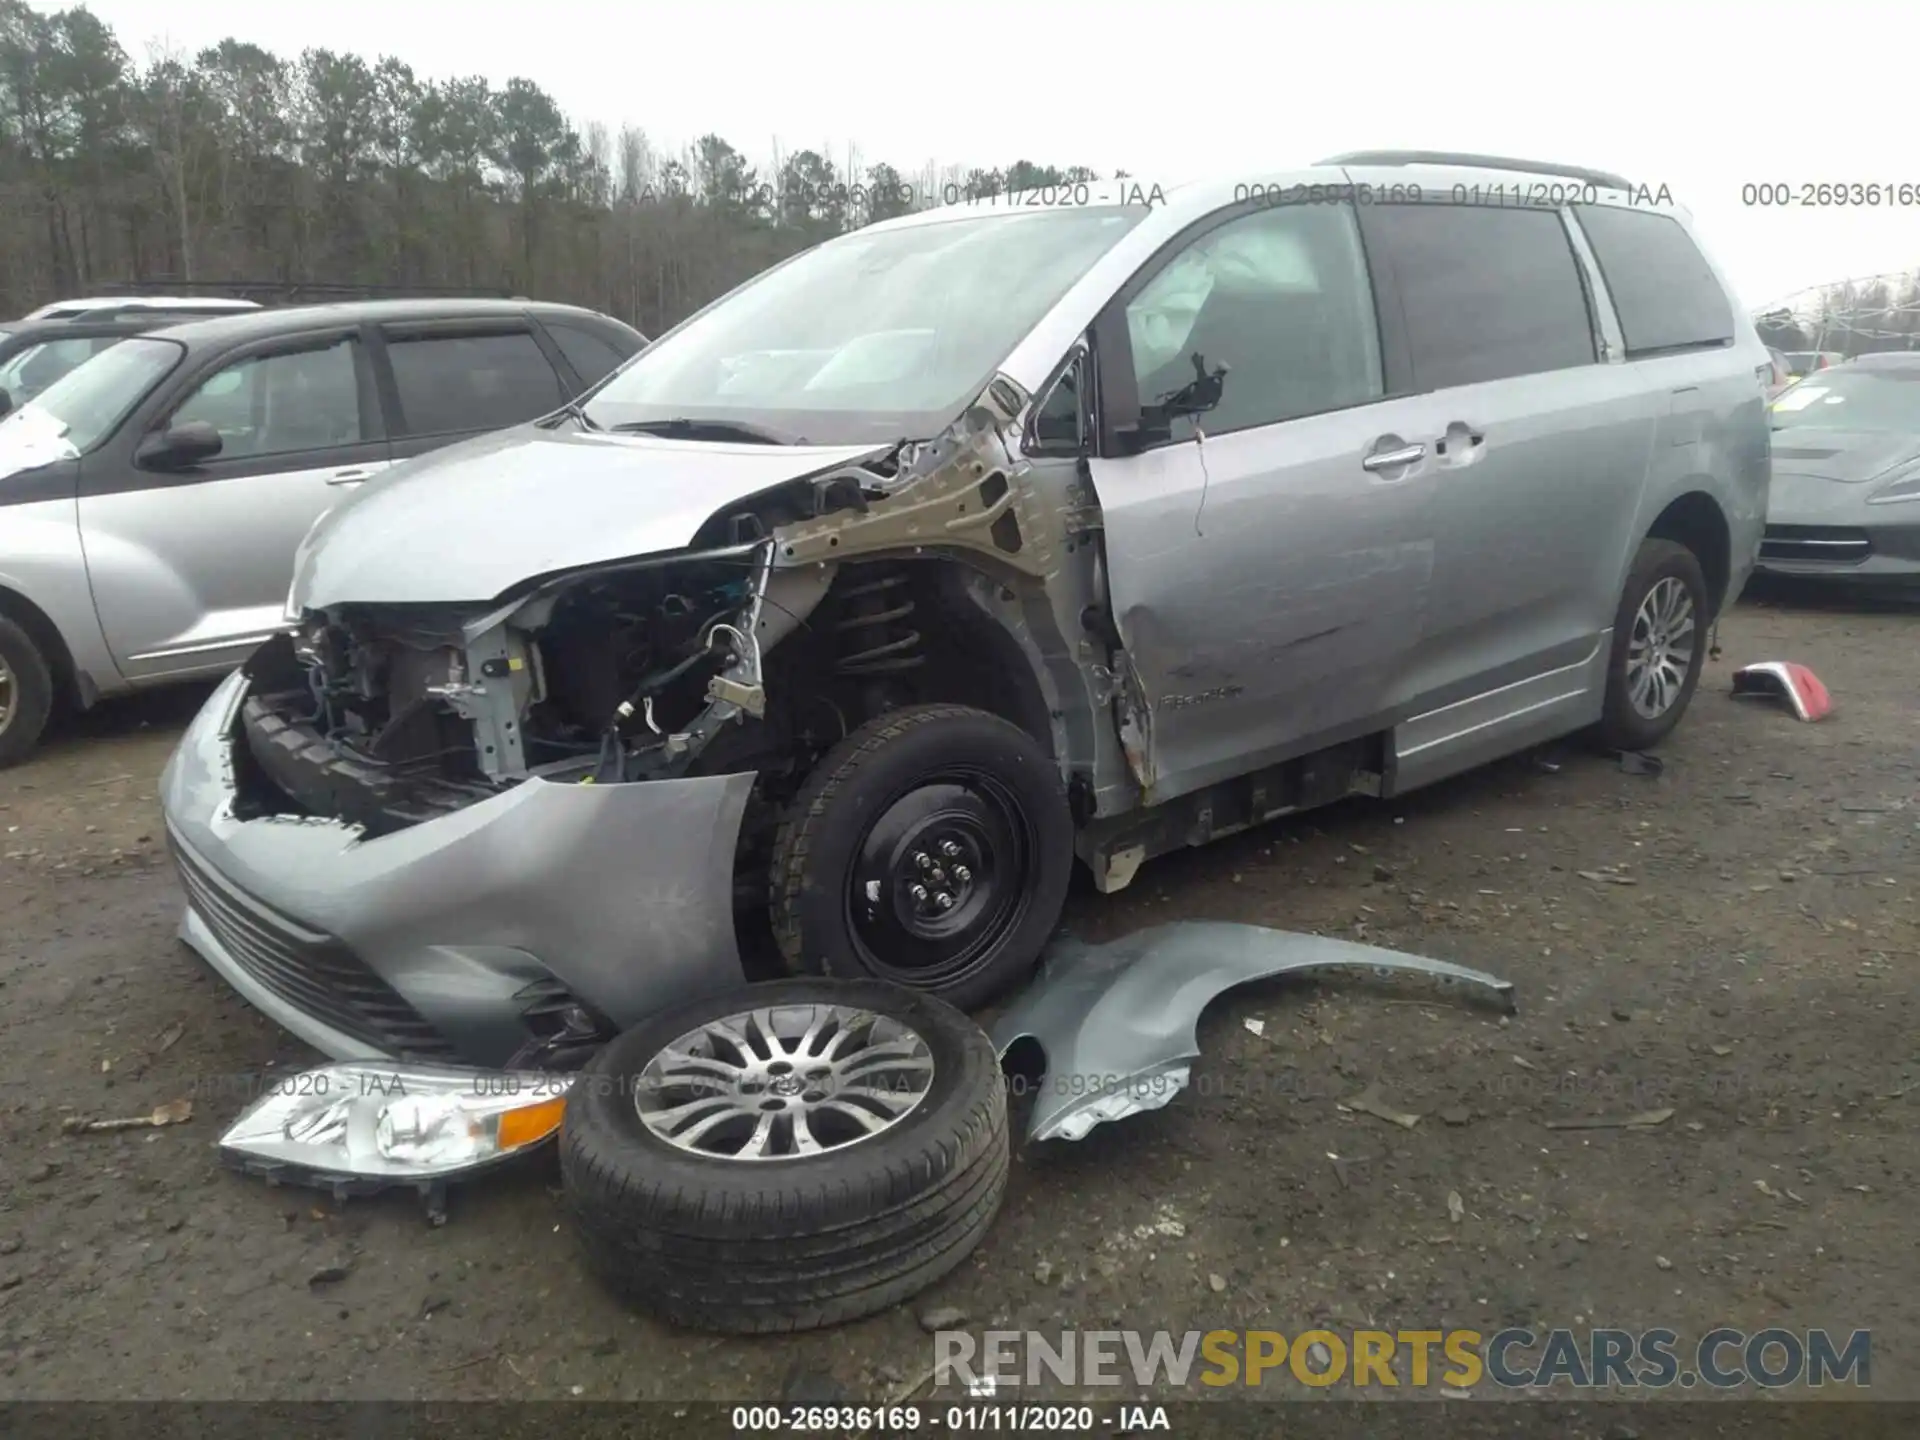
{"x": 1676, "y": 93}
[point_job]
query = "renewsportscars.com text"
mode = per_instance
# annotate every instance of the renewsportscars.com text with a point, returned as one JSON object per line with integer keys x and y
{"x": 1513, "y": 1358}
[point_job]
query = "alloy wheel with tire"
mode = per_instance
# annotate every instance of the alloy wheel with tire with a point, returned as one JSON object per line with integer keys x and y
{"x": 1659, "y": 646}
{"x": 787, "y": 1155}
{"x": 932, "y": 848}
{"x": 26, "y": 693}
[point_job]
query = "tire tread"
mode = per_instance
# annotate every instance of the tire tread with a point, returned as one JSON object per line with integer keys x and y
{"x": 767, "y": 1247}
{"x": 32, "y": 696}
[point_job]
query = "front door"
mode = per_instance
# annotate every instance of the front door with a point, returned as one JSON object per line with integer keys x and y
{"x": 1269, "y": 557}
{"x": 190, "y": 570}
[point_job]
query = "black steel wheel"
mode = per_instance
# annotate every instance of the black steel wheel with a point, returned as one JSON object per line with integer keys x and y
{"x": 932, "y": 849}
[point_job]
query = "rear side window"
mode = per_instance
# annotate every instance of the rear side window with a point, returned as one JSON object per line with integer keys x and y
{"x": 454, "y": 383}
{"x": 1488, "y": 292}
{"x": 1665, "y": 294}
{"x": 592, "y": 358}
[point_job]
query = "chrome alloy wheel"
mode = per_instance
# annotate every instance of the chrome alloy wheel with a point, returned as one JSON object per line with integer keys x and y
{"x": 783, "y": 1082}
{"x": 1660, "y": 650}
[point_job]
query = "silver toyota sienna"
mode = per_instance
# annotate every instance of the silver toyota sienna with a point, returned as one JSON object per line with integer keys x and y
{"x": 1090, "y": 524}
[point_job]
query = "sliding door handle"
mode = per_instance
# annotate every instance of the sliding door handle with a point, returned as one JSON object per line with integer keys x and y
{"x": 1393, "y": 459}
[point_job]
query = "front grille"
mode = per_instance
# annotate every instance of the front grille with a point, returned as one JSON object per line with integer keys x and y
{"x": 1821, "y": 544}
{"x": 312, "y": 971}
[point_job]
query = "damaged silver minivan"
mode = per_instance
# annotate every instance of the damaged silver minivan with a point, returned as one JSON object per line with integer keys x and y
{"x": 960, "y": 546}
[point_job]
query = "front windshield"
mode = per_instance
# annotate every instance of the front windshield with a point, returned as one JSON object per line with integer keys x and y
{"x": 88, "y": 403}
{"x": 875, "y": 336}
{"x": 30, "y": 372}
{"x": 1853, "y": 397}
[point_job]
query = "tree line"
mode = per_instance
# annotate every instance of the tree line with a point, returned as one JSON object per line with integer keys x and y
{"x": 235, "y": 164}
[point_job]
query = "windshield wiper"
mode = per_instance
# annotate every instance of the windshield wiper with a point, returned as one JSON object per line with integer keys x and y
{"x": 691, "y": 428}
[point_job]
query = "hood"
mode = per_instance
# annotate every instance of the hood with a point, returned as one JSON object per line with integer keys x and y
{"x": 471, "y": 521}
{"x": 1848, "y": 456}
{"x": 30, "y": 438}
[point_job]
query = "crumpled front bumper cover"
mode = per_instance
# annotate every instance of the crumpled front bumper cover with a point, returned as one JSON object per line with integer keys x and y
{"x": 425, "y": 942}
{"x": 1117, "y": 1022}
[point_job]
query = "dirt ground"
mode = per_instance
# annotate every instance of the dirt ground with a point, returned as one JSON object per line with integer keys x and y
{"x": 1731, "y": 938}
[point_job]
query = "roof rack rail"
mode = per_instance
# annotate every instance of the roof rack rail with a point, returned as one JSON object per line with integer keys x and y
{"x": 185, "y": 310}
{"x": 1604, "y": 178}
{"x": 291, "y": 292}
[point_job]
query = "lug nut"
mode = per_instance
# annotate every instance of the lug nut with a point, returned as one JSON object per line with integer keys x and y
{"x": 949, "y": 849}
{"x": 918, "y": 892}
{"x": 922, "y": 859}
{"x": 943, "y": 900}
{"x": 962, "y": 874}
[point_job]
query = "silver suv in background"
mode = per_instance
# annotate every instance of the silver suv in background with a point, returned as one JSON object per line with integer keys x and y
{"x": 152, "y": 498}
{"x": 1101, "y": 523}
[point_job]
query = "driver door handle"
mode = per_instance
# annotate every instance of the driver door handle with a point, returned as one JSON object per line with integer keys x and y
{"x": 351, "y": 476}
{"x": 1393, "y": 459}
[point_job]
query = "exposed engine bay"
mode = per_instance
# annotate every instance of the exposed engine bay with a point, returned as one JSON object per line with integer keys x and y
{"x": 644, "y": 669}
{"x": 632, "y": 677}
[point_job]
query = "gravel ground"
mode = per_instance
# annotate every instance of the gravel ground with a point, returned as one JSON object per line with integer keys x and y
{"x": 1727, "y": 939}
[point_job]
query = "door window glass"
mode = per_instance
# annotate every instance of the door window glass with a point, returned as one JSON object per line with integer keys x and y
{"x": 1281, "y": 298}
{"x": 1489, "y": 291}
{"x": 281, "y": 403}
{"x": 455, "y": 383}
{"x": 1057, "y": 420}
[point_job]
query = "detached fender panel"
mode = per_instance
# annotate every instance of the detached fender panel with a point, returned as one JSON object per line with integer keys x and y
{"x": 1118, "y": 1021}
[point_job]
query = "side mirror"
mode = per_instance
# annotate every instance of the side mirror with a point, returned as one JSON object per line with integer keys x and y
{"x": 180, "y": 447}
{"x": 1200, "y": 394}
{"x": 1151, "y": 429}
{"x": 6, "y": 403}
{"x": 1192, "y": 400}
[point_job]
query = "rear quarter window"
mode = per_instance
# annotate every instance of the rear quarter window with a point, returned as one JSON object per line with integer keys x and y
{"x": 1662, "y": 287}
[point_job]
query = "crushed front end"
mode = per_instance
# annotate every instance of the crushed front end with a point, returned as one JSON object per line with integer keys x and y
{"x": 515, "y": 930}
{"x": 498, "y": 832}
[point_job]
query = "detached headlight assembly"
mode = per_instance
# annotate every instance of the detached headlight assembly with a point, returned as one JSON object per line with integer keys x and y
{"x": 362, "y": 1126}
{"x": 1905, "y": 485}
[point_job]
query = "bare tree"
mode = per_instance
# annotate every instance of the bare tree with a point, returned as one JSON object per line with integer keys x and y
{"x": 237, "y": 164}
